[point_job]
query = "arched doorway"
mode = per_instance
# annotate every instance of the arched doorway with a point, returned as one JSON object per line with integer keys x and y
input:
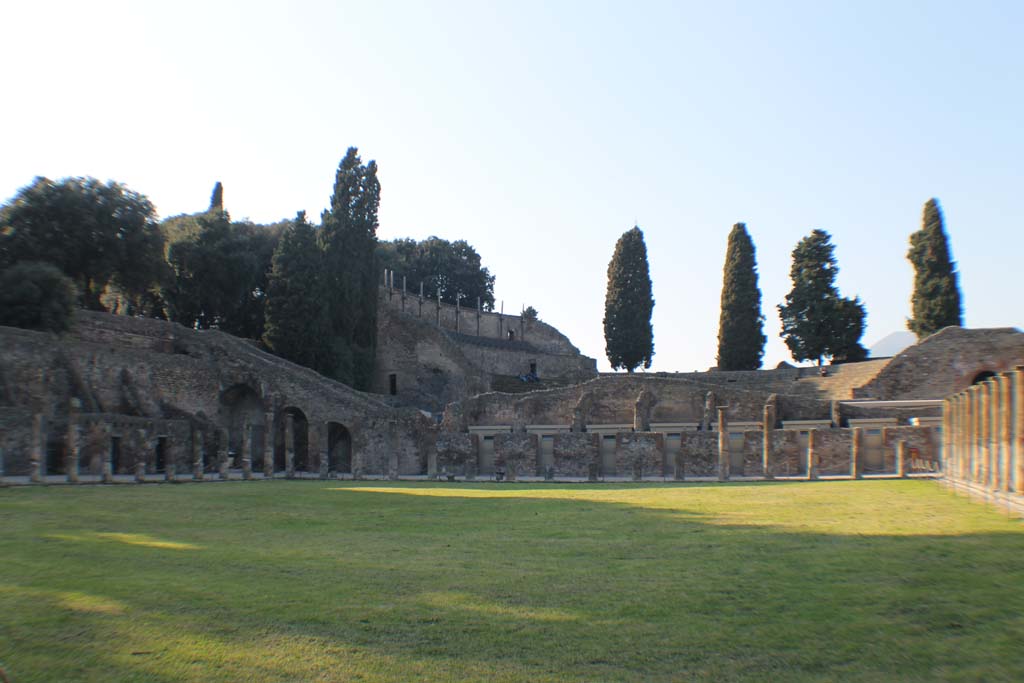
{"x": 982, "y": 376}
{"x": 339, "y": 448}
{"x": 293, "y": 420}
{"x": 241, "y": 405}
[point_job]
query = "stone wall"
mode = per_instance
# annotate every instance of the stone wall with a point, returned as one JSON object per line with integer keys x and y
{"x": 698, "y": 455}
{"x": 517, "y": 454}
{"x": 457, "y": 453}
{"x": 612, "y": 400}
{"x": 923, "y": 448}
{"x": 945, "y": 363}
{"x": 832, "y": 448}
{"x": 639, "y": 454}
{"x": 155, "y": 370}
{"x": 576, "y": 454}
{"x": 434, "y": 365}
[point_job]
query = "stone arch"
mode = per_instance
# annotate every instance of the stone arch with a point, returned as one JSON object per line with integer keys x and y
{"x": 339, "y": 448}
{"x": 241, "y": 405}
{"x": 982, "y": 376}
{"x": 292, "y": 434}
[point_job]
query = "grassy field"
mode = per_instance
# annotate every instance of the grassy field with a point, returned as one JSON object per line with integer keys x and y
{"x": 342, "y": 581}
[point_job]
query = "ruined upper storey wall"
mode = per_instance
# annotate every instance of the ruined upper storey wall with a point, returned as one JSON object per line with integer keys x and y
{"x": 945, "y": 363}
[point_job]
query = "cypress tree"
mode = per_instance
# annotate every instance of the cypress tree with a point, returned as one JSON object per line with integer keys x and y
{"x": 936, "y": 299}
{"x": 816, "y": 321}
{"x": 348, "y": 238}
{"x": 294, "y": 309}
{"x": 217, "y": 198}
{"x": 628, "y": 304}
{"x": 741, "y": 325}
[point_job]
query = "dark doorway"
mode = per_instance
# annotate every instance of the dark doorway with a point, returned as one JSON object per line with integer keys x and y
{"x": 115, "y": 454}
{"x": 393, "y": 384}
{"x": 299, "y": 440}
{"x": 339, "y": 448}
{"x": 161, "y": 454}
{"x": 982, "y": 376}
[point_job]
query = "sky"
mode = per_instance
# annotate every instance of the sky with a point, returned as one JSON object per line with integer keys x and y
{"x": 541, "y": 131}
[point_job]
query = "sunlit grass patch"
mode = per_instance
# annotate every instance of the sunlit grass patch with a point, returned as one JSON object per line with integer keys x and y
{"x": 319, "y": 581}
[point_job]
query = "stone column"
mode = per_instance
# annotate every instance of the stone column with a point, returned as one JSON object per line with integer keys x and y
{"x": 1018, "y": 430}
{"x": 767, "y": 428}
{"x": 197, "y": 454}
{"x": 978, "y": 408}
{"x": 72, "y": 445}
{"x": 856, "y": 453}
{"x": 325, "y": 450}
{"x": 995, "y": 429}
{"x": 947, "y": 458}
{"x": 901, "y": 459}
{"x": 268, "y": 445}
{"x": 223, "y": 453}
{"x": 247, "y": 428}
{"x": 723, "y": 446}
{"x": 981, "y": 437}
{"x": 38, "y": 453}
{"x": 73, "y": 441}
{"x": 987, "y": 399}
{"x": 393, "y": 444}
{"x": 812, "y": 454}
{"x": 140, "y": 470}
{"x": 170, "y": 460}
{"x": 108, "y": 461}
{"x": 289, "y": 445}
{"x": 1006, "y": 432}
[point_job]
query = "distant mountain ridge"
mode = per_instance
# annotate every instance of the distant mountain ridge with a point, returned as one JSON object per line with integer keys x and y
{"x": 892, "y": 344}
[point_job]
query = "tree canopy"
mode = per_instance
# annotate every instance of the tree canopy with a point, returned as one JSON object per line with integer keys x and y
{"x": 294, "y": 310}
{"x": 740, "y": 327}
{"x": 452, "y": 269}
{"x": 628, "y": 304}
{"x": 816, "y": 321}
{"x": 98, "y": 234}
{"x": 348, "y": 238}
{"x": 936, "y": 298}
{"x": 36, "y": 296}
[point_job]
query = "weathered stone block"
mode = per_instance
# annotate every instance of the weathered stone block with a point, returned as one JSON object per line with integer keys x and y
{"x": 517, "y": 453}
{"x": 640, "y": 454}
{"x": 575, "y": 453}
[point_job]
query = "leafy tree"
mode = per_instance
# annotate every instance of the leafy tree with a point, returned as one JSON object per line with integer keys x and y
{"x": 530, "y": 314}
{"x": 628, "y": 304}
{"x": 98, "y": 234}
{"x": 451, "y": 268}
{"x": 816, "y": 321}
{"x": 936, "y": 298}
{"x": 36, "y": 296}
{"x": 294, "y": 308}
{"x": 348, "y": 237}
{"x": 219, "y": 273}
{"x": 740, "y": 328}
{"x": 217, "y": 198}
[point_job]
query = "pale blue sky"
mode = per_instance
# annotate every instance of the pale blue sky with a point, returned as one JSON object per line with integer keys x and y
{"x": 540, "y": 131}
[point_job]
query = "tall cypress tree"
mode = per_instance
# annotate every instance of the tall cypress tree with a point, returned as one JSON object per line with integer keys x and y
{"x": 628, "y": 304}
{"x": 294, "y": 308}
{"x": 936, "y": 298}
{"x": 217, "y": 198}
{"x": 816, "y": 321}
{"x": 348, "y": 239}
{"x": 741, "y": 324}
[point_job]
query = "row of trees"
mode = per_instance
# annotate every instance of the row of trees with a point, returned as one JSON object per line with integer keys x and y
{"x": 307, "y": 292}
{"x": 817, "y": 322}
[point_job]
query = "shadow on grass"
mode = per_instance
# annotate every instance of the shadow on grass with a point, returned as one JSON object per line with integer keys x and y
{"x": 384, "y": 584}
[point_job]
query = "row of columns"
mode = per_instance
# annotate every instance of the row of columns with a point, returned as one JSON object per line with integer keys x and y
{"x": 73, "y": 452}
{"x": 983, "y": 430}
{"x": 768, "y": 451}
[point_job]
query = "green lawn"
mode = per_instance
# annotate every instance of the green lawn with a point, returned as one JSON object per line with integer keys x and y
{"x": 341, "y": 581}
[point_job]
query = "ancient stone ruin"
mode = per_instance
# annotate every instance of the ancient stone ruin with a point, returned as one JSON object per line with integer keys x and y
{"x": 130, "y": 399}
